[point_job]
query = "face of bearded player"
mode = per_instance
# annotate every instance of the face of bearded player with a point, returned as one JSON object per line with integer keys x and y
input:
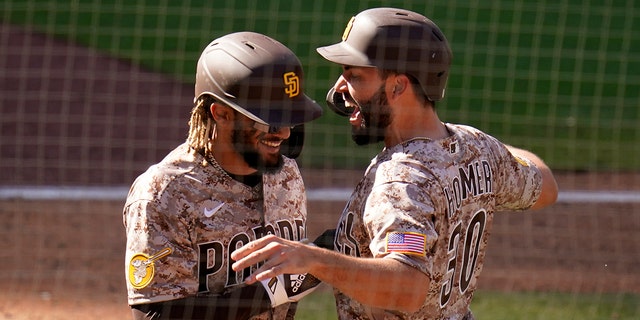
{"x": 260, "y": 150}
{"x": 371, "y": 117}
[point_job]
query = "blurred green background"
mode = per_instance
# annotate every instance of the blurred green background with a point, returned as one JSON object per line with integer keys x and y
{"x": 558, "y": 77}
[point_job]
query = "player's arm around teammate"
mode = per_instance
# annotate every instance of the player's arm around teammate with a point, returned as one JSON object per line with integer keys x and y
{"x": 363, "y": 279}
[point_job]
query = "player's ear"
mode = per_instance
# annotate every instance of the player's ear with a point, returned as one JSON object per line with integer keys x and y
{"x": 221, "y": 113}
{"x": 400, "y": 84}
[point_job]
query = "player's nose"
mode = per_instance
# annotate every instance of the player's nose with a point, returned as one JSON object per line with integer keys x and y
{"x": 341, "y": 85}
{"x": 282, "y": 133}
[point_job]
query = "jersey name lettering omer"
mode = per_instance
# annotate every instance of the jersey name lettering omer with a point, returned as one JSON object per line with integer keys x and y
{"x": 472, "y": 180}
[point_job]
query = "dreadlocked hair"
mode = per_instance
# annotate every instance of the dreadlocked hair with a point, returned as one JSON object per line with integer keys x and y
{"x": 202, "y": 128}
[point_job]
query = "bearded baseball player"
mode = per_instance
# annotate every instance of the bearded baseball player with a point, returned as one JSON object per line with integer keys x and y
{"x": 411, "y": 241}
{"x": 226, "y": 185}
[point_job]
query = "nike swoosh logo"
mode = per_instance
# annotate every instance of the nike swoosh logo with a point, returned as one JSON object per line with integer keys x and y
{"x": 209, "y": 212}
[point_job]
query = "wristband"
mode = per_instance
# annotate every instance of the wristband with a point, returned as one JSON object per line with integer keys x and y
{"x": 276, "y": 291}
{"x": 289, "y": 287}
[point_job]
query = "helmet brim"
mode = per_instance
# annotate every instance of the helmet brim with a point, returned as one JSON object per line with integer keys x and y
{"x": 292, "y": 113}
{"x": 268, "y": 113}
{"x": 344, "y": 54}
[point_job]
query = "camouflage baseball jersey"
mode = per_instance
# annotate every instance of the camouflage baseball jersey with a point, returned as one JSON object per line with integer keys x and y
{"x": 184, "y": 216}
{"x": 430, "y": 204}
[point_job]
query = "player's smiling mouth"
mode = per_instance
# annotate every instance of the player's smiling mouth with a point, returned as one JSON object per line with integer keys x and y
{"x": 271, "y": 143}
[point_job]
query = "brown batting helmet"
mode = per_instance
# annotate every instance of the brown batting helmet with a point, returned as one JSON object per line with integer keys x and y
{"x": 257, "y": 76}
{"x": 397, "y": 40}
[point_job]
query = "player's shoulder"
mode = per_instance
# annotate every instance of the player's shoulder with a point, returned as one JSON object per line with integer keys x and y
{"x": 289, "y": 169}
{"x": 290, "y": 163}
{"x": 168, "y": 176}
{"x": 421, "y": 160}
{"x": 469, "y": 138}
{"x": 467, "y": 131}
{"x": 402, "y": 167}
{"x": 288, "y": 176}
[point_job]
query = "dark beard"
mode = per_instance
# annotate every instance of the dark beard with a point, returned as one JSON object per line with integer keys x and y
{"x": 376, "y": 116}
{"x": 250, "y": 155}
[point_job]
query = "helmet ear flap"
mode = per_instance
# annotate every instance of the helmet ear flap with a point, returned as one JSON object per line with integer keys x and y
{"x": 337, "y": 103}
{"x": 292, "y": 147}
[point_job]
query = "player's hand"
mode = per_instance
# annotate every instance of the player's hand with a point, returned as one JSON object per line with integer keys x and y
{"x": 279, "y": 255}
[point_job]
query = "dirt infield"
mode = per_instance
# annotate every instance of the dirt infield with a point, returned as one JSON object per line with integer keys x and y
{"x": 65, "y": 259}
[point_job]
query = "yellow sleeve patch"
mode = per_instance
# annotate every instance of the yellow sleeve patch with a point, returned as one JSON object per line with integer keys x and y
{"x": 141, "y": 268}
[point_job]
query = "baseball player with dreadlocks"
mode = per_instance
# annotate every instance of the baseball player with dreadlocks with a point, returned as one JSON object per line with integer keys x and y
{"x": 226, "y": 185}
{"x": 411, "y": 242}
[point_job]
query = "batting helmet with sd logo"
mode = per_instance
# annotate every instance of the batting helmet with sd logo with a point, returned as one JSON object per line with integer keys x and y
{"x": 396, "y": 40}
{"x": 257, "y": 76}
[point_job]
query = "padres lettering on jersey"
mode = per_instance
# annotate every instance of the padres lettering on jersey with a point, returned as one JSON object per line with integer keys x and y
{"x": 211, "y": 257}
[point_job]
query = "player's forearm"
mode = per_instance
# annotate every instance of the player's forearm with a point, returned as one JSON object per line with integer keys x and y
{"x": 381, "y": 283}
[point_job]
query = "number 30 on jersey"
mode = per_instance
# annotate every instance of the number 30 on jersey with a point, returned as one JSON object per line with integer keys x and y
{"x": 472, "y": 236}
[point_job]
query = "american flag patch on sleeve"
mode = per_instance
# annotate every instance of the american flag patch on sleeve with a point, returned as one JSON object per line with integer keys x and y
{"x": 406, "y": 242}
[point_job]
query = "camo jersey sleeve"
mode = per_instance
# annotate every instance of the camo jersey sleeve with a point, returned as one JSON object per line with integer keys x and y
{"x": 399, "y": 206}
{"x": 156, "y": 240}
{"x": 521, "y": 180}
{"x": 184, "y": 217}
